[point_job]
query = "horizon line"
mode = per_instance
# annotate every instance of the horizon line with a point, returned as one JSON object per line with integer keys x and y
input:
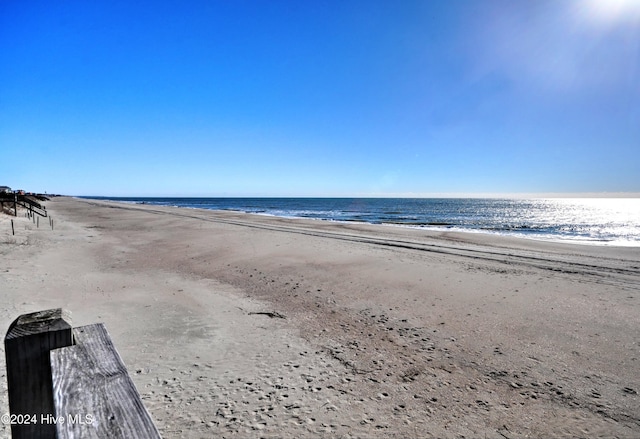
{"x": 391, "y": 195}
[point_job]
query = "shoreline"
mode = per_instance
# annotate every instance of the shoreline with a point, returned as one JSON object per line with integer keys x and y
{"x": 435, "y": 227}
{"x": 386, "y": 332}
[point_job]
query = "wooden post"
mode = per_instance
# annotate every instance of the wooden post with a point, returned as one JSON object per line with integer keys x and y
{"x": 13, "y": 231}
{"x": 28, "y": 342}
{"x": 91, "y": 383}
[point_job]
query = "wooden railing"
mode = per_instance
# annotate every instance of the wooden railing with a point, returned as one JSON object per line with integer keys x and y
{"x": 32, "y": 205}
{"x": 29, "y": 202}
{"x": 66, "y": 382}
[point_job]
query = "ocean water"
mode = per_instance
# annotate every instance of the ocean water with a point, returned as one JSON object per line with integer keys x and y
{"x": 605, "y": 221}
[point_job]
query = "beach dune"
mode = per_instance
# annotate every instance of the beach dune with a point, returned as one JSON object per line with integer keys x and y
{"x": 238, "y": 325}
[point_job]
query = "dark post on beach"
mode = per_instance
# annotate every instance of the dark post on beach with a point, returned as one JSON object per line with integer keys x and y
{"x": 27, "y": 345}
{"x": 13, "y": 231}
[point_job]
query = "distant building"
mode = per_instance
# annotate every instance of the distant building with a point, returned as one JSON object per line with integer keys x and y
{"x": 5, "y": 190}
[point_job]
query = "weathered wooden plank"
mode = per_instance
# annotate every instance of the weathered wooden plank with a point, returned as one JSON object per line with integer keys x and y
{"x": 27, "y": 344}
{"x": 93, "y": 393}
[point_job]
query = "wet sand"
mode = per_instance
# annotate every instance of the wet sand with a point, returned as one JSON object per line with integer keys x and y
{"x": 237, "y": 325}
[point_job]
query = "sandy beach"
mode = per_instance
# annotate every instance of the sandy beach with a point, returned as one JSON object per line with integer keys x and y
{"x": 237, "y": 325}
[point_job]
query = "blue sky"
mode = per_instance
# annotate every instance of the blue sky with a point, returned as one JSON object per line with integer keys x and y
{"x": 320, "y": 98}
